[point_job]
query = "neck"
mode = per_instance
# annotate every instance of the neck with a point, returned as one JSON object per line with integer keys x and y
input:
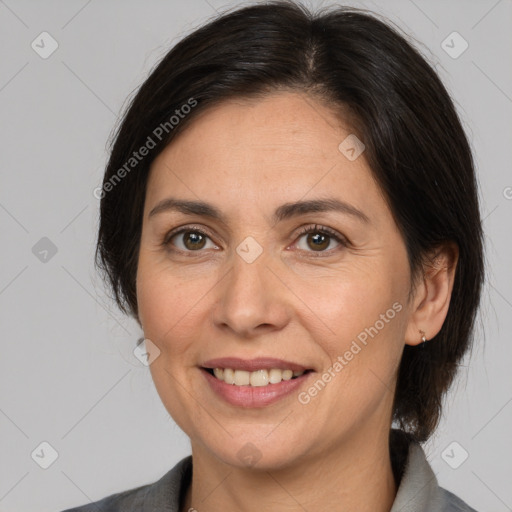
{"x": 355, "y": 476}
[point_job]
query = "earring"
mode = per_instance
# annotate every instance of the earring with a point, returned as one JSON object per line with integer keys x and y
{"x": 423, "y": 338}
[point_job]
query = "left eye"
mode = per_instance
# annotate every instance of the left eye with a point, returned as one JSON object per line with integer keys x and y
{"x": 319, "y": 238}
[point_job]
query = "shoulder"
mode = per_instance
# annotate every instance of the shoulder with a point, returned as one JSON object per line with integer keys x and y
{"x": 162, "y": 495}
{"x": 118, "y": 502}
{"x": 452, "y": 503}
{"x": 418, "y": 489}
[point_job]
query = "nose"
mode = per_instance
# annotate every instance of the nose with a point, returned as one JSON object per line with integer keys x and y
{"x": 251, "y": 299}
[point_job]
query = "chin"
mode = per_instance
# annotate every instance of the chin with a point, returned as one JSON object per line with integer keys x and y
{"x": 258, "y": 454}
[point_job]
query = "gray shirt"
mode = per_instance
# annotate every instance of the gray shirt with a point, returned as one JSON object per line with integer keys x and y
{"x": 418, "y": 491}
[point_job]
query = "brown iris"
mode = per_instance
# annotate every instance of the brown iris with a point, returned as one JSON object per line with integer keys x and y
{"x": 197, "y": 240}
{"x": 320, "y": 241}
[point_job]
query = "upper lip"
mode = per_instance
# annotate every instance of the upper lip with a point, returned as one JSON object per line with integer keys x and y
{"x": 251, "y": 365}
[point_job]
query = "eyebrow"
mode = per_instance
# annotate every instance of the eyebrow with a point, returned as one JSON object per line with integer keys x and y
{"x": 283, "y": 212}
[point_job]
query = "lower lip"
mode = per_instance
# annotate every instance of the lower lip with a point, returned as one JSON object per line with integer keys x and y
{"x": 253, "y": 396}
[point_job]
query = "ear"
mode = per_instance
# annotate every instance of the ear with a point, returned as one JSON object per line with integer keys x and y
{"x": 433, "y": 293}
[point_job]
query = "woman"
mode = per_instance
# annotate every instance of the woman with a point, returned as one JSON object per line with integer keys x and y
{"x": 290, "y": 213}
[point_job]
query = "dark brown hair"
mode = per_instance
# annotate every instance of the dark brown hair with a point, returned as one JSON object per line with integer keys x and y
{"x": 415, "y": 146}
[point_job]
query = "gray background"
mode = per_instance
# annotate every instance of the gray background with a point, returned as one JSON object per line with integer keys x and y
{"x": 67, "y": 372}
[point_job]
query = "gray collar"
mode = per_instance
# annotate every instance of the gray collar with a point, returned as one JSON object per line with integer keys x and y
{"x": 418, "y": 490}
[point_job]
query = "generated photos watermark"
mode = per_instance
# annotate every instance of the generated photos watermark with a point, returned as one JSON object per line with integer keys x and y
{"x": 305, "y": 397}
{"x": 156, "y": 136}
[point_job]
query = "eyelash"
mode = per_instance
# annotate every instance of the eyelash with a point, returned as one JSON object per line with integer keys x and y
{"x": 305, "y": 230}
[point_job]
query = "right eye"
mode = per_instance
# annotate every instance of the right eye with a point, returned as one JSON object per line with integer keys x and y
{"x": 191, "y": 239}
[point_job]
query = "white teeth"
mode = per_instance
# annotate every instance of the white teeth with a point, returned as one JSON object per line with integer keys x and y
{"x": 275, "y": 376}
{"x": 229, "y": 376}
{"x": 287, "y": 374}
{"x": 258, "y": 378}
{"x": 242, "y": 378}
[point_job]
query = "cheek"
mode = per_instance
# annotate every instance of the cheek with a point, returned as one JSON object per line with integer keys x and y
{"x": 363, "y": 318}
{"x": 366, "y": 321}
{"x": 170, "y": 306}
{"x": 350, "y": 303}
{"x": 169, "y": 313}
{"x": 154, "y": 287}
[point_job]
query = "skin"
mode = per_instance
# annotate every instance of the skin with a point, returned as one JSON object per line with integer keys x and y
{"x": 247, "y": 157}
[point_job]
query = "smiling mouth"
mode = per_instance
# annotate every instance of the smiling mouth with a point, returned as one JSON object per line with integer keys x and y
{"x": 258, "y": 378}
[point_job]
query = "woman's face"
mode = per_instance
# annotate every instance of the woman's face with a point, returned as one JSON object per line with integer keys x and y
{"x": 251, "y": 284}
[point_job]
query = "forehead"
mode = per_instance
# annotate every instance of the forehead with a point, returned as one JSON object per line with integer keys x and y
{"x": 259, "y": 150}
{"x": 280, "y": 123}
